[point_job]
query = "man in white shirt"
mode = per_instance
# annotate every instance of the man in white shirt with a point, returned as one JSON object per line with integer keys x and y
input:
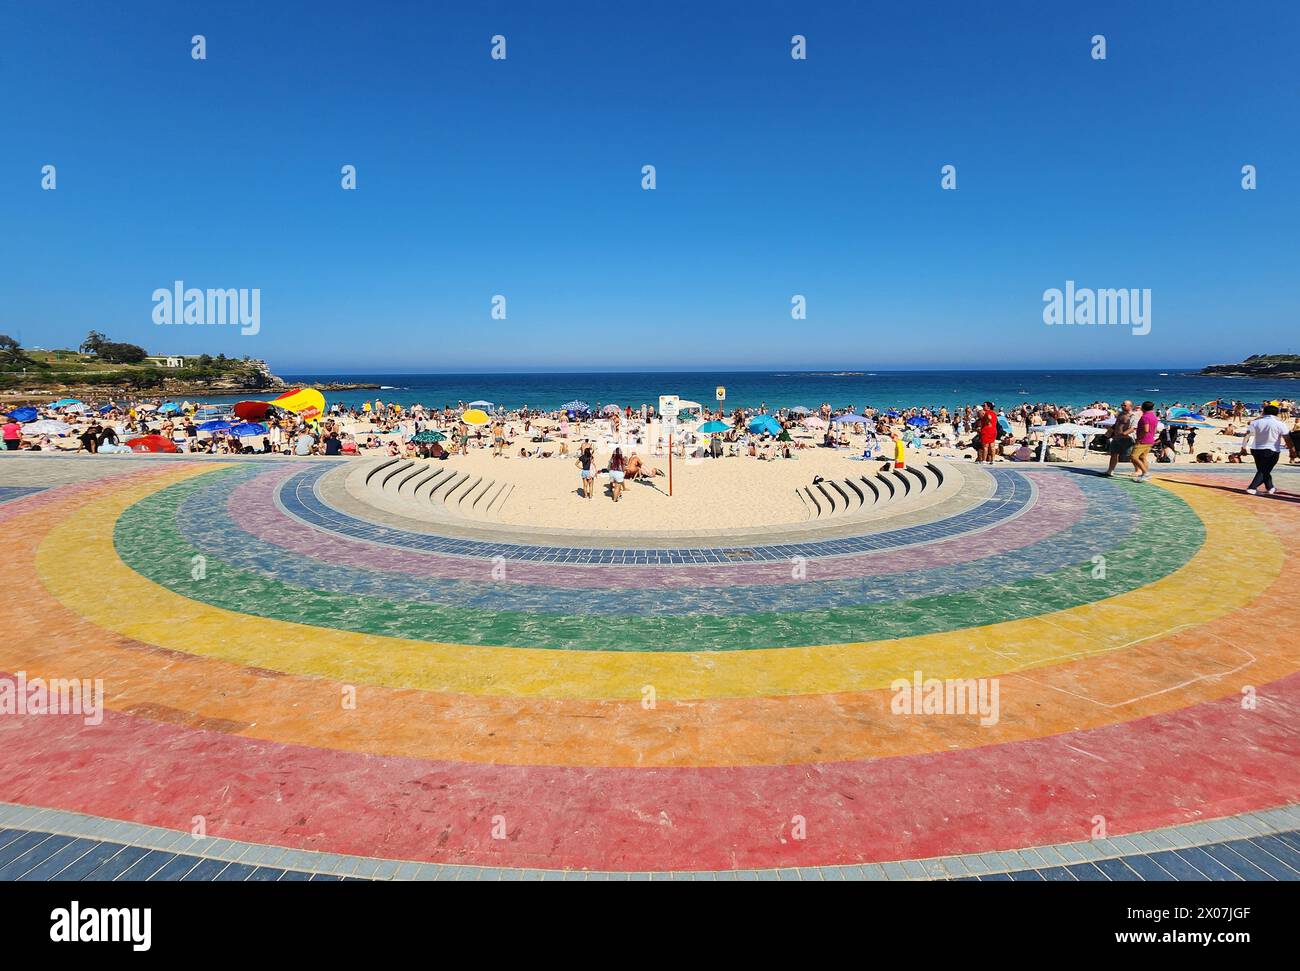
{"x": 1266, "y": 437}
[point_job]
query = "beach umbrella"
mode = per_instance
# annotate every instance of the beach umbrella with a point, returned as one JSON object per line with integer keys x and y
{"x": 64, "y": 402}
{"x": 891, "y": 413}
{"x": 428, "y": 436}
{"x": 169, "y": 408}
{"x": 1188, "y": 421}
{"x": 252, "y": 410}
{"x": 152, "y": 443}
{"x": 714, "y": 427}
{"x": 306, "y": 403}
{"x": 216, "y": 425}
{"x": 764, "y": 424}
{"x": 105, "y": 409}
{"x": 248, "y": 429}
{"x": 1094, "y": 413}
{"x": 23, "y": 414}
{"x": 801, "y": 410}
{"x": 481, "y": 404}
{"x": 47, "y": 427}
{"x": 575, "y": 405}
{"x": 814, "y": 422}
{"x": 77, "y": 409}
{"x": 1068, "y": 429}
{"x": 919, "y": 422}
{"x": 851, "y": 419}
{"x": 610, "y": 409}
{"x": 475, "y": 417}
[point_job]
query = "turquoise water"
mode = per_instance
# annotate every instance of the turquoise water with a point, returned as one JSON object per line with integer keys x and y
{"x": 777, "y": 389}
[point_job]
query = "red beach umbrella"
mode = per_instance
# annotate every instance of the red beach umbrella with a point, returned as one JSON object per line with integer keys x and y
{"x": 152, "y": 443}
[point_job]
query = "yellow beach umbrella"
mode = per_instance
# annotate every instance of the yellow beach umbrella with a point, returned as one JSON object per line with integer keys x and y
{"x": 475, "y": 416}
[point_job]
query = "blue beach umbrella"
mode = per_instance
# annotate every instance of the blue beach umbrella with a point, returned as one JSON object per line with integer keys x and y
{"x": 64, "y": 402}
{"x": 764, "y": 424}
{"x": 919, "y": 422}
{"x": 714, "y": 427}
{"x": 23, "y": 414}
{"x": 105, "y": 409}
{"x": 169, "y": 407}
{"x": 215, "y": 426}
{"x": 248, "y": 428}
{"x": 891, "y": 413}
{"x": 851, "y": 420}
{"x": 575, "y": 405}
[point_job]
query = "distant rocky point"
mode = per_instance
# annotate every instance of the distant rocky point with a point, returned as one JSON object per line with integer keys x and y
{"x": 1259, "y": 366}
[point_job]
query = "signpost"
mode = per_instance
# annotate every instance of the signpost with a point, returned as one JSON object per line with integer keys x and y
{"x": 722, "y": 394}
{"x": 668, "y": 406}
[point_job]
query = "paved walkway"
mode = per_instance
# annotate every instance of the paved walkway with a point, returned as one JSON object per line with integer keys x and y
{"x": 972, "y": 693}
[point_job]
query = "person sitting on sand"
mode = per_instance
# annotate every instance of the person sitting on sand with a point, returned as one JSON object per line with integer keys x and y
{"x": 636, "y": 469}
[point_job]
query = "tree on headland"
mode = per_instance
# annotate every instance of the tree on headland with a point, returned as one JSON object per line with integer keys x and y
{"x": 93, "y": 342}
{"x": 9, "y": 348}
{"x": 115, "y": 353}
{"x": 11, "y": 353}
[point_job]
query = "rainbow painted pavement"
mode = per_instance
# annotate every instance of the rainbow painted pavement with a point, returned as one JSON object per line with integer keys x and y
{"x": 301, "y": 673}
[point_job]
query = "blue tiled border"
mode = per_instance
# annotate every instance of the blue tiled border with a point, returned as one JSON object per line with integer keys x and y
{"x": 46, "y": 844}
{"x": 298, "y": 497}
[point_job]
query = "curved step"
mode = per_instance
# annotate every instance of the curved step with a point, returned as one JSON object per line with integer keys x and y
{"x": 813, "y": 499}
{"x": 418, "y": 469}
{"x": 440, "y": 493}
{"x": 381, "y": 466}
{"x": 862, "y": 499}
{"x": 396, "y": 470}
{"x": 439, "y": 477}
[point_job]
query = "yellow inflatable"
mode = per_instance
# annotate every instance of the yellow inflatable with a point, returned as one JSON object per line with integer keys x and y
{"x": 307, "y": 402}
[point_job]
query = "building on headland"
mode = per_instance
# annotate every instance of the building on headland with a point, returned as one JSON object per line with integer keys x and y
{"x": 164, "y": 360}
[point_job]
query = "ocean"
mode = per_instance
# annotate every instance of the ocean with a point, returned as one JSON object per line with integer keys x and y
{"x": 778, "y": 389}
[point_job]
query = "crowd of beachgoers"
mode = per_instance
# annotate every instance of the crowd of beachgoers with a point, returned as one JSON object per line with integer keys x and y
{"x": 1206, "y": 433}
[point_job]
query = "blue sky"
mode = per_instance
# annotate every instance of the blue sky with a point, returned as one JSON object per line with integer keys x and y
{"x": 775, "y": 177}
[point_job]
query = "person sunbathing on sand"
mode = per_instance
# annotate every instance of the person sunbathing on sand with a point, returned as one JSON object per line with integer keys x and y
{"x": 638, "y": 470}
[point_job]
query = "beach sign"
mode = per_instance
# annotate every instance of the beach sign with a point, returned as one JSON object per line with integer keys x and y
{"x": 669, "y": 404}
{"x": 722, "y": 393}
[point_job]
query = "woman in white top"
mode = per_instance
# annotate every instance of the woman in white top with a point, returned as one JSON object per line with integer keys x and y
{"x": 1266, "y": 437}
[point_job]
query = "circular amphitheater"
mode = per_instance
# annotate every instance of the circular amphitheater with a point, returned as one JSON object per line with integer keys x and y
{"x": 363, "y": 659}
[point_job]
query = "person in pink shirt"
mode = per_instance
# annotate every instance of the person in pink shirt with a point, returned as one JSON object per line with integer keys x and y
{"x": 13, "y": 435}
{"x": 1146, "y": 437}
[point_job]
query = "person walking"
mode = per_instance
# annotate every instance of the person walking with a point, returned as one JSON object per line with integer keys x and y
{"x": 1266, "y": 436}
{"x": 988, "y": 428}
{"x": 585, "y": 462}
{"x": 616, "y": 470}
{"x": 1119, "y": 440}
{"x": 1146, "y": 437}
